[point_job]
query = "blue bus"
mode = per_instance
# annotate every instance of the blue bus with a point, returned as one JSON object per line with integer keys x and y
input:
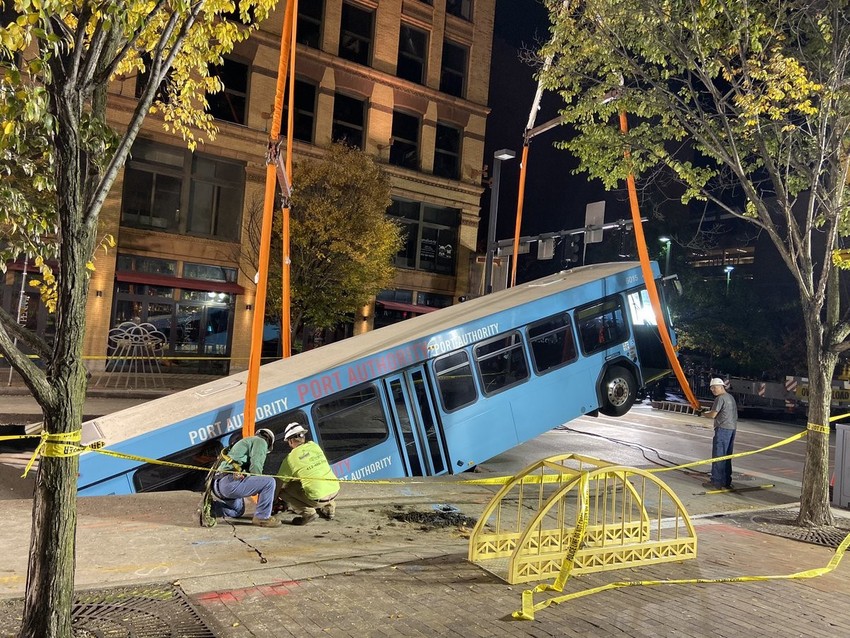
{"x": 435, "y": 394}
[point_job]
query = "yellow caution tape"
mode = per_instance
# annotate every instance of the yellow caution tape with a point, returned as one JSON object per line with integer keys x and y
{"x": 71, "y": 447}
{"x": 790, "y": 439}
{"x": 575, "y": 542}
{"x": 816, "y": 427}
{"x": 838, "y": 416}
{"x": 527, "y": 612}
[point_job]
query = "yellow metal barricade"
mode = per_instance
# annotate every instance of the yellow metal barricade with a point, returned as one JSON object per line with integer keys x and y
{"x": 632, "y": 518}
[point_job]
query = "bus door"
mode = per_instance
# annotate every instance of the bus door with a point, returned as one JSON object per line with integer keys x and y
{"x": 650, "y": 349}
{"x": 416, "y": 422}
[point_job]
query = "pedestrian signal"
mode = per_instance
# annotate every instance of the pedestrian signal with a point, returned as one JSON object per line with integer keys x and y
{"x": 571, "y": 250}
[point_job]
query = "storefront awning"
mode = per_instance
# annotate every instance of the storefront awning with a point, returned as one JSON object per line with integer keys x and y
{"x": 179, "y": 282}
{"x": 405, "y": 307}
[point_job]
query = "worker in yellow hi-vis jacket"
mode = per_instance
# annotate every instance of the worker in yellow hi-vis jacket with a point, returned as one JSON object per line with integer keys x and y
{"x": 311, "y": 486}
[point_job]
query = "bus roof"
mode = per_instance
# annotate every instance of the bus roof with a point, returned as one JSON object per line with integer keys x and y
{"x": 209, "y": 397}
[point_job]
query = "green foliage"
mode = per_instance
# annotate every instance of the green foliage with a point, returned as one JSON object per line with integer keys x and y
{"x": 747, "y": 87}
{"x": 342, "y": 242}
{"x": 92, "y": 43}
{"x": 60, "y": 159}
{"x": 745, "y": 332}
{"x": 745, "y": 97}
{"x": 752, "y": 97}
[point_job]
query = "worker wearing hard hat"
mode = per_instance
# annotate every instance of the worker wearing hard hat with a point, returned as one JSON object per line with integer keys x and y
{"x": 310, "y": 486}
{"x": 724, "y": 411}
{"x": 238, "y": 477}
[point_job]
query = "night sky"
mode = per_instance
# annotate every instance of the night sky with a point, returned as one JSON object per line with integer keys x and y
{"x": 554, "y": 198}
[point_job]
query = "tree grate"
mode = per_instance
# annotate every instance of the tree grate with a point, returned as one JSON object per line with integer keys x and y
{"x": 136, "y": 612}
{"x": 785, "y": 526}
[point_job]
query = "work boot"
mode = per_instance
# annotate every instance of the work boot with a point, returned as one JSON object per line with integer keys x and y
{"x": 305, "y": 518}
{"x": 327, "y": 512}
{"x": 266, "y": 522}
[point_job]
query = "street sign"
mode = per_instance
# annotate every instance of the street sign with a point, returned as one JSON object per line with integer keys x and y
{"x": 594, "y": 219}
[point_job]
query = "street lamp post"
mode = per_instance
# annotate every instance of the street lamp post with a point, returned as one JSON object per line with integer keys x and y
{"x": 498, "y": 156}
{"x": 668, "y": 246}
{"x": 728, "y": 270}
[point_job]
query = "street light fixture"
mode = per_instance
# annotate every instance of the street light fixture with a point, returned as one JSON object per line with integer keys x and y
{"x": 498, "y": 157}
{"x": 668, "y": 246}
{"x": 728, "y": 270}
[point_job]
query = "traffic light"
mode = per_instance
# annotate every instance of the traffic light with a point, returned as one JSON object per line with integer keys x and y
{"x": 571, "y": 250}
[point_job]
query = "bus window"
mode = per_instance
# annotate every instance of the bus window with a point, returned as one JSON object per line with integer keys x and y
{"x": 552, "y": 343}
{"x": 350, "y": 423}
{"x": 640, "y": 308}
{"x": 601, "y": 325}
{"x": 277, "y": 424}
{"x": 162, "y": 478}
{"x": 454, "y": 379}
{"x": 501, "y": 362}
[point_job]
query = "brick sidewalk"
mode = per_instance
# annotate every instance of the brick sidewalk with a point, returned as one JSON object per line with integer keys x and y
{"x": 447, "y": 596}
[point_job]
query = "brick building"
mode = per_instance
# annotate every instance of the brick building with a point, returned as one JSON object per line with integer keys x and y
{"x": 405, "y": 80}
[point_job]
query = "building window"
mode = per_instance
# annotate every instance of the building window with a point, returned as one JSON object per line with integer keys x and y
{"x": 433, "y": 300}
{"x": 447, "y": 152}
{"x": 142, "y": 79}
{"x": 229, "y": 104}
{"x": 412, "y": 53}
{"x": 431, "y": 236}
{"x": 209, "y": 272}
{"x": 160, "y": 182}
{"x": 349, "y": 116}
{"x": 191, "y": 322}
{"x": 405, "y": 147}
{"x": 215, "y": 206}
{"x": 149, "y": 265}
{"x": 453, "y": 74}
{"x": 355, "y": 35}
{"x": 153, "y": 185}
{"x": 305, "y": 111}
{"x": 459, "y": 8}
{"x": 23, "y": 303}
{"x": 310, "y": 13}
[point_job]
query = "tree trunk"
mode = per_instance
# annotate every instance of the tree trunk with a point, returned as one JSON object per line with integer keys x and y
{"x": 50, "y": 571}
{"x": 814, "y": 496}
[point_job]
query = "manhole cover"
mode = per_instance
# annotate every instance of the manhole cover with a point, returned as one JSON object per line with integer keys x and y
{"x": 136, "y": 612}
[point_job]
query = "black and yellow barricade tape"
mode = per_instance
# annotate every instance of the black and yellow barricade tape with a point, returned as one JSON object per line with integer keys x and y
{"x": 575, "y": 543}
{"x": 72, "y": 447}
{"x": 60, "y": 444}
{"x": 839, "y": 416}
{"x": 817, "y": 427}
{"x": 790, "y": 439}
{"x": 527, "y": 612}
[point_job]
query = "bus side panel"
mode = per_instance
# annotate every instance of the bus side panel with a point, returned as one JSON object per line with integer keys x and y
{"x": 476, "y": 434}
{"x": 521, "y": 413}
{"x": 96, "y": 467}
{"x": 116, "y": 485}
{"x": 382, "y": 461}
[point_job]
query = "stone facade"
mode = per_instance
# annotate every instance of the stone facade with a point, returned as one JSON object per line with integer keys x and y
{"x": 377, "y": 85}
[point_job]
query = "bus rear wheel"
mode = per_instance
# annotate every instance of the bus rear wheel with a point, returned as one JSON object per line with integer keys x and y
{"x": 619, "y": 391}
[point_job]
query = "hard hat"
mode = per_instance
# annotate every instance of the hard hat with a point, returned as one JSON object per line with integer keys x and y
{"x": 716, "y": 381}
{"x": 268, "y": 435}
{"x": 293, "y": 429}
